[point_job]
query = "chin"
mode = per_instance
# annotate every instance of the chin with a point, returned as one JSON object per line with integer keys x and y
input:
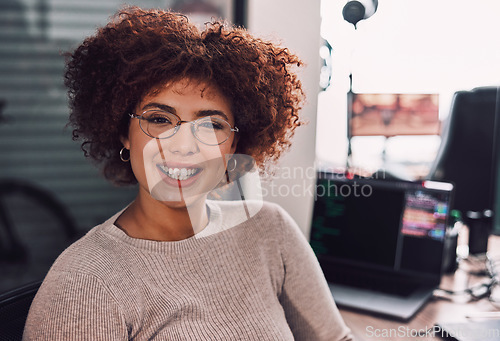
{"x": 185, "y": 202}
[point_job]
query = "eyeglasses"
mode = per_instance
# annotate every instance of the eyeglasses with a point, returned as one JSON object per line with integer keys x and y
{"x": 209, "y": 130}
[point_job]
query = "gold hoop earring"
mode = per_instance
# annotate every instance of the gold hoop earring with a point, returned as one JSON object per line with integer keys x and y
{"x": 235, "y": 164}
{"x": 121, "y": 155}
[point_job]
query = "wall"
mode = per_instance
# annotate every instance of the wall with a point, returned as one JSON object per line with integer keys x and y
{"x": 297, "y": 25}
{"x": 405, "y": 47}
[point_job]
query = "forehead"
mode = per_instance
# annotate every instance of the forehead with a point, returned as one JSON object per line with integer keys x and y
{"x": 189, "y": 99}
{"x": 187, "y": 88}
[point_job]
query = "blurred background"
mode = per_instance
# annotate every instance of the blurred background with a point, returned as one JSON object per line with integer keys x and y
{"x": 416, "y": 47}
{"x": 50, "y": 194}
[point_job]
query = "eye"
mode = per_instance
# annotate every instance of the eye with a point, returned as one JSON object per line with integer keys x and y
{"x": 211, "y": 123}
{"x": 159, "y": 118}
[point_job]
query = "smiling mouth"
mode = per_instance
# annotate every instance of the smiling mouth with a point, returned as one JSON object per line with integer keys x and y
{"x": 179, "y": 173}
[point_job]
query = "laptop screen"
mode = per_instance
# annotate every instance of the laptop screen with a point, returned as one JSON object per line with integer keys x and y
{"x": 396, "y": 226}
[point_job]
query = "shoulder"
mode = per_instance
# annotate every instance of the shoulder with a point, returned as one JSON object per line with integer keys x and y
{"x": 275, "y": 215}
{"x": 98, "y": 264}
{"x": 94, "y": 254}
{"x": 255, "y": 208}
{"x": 287, "y": 233}
{"x": 250, "y": 212}
{"x": 273, "y": 210}
{"x": 265, "y": 221}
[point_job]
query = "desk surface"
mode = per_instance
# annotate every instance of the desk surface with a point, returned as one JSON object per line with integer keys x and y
{"x": 370, "y": 327}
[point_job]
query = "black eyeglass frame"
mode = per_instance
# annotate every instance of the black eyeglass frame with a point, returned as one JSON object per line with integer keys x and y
{"x": 178, "y": 125}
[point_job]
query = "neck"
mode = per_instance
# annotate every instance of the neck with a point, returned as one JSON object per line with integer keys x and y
{"x": 147, "y": 218}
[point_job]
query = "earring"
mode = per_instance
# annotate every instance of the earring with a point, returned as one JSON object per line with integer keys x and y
{"x": 121, "y": 155}
{"x": 235, "y": 164}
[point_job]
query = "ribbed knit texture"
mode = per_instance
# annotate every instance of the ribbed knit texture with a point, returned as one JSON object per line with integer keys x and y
{"x": 258, "y": 280}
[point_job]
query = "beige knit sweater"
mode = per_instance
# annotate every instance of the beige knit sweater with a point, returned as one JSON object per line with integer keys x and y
{"x": 258, "y": 280}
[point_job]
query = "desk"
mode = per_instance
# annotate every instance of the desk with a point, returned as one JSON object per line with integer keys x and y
{"x": 363, "y": 325}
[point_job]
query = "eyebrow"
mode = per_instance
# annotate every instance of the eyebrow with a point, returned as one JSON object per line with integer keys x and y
{"x": 163, "y": 107}
{"x": 203, "y": 113}
{"x": 200, "y": 113}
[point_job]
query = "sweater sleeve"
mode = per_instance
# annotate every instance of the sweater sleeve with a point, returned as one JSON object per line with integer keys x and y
{"x": 74, "y": 306}
{"x": 306, "y": 299}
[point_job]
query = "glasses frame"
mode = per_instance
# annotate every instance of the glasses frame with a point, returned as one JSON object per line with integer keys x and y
{"x": 178, "y": 125}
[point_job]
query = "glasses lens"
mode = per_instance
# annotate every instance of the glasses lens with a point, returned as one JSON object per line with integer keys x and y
{"x": 212, "y": 130}
{"x": 158, "y": 123}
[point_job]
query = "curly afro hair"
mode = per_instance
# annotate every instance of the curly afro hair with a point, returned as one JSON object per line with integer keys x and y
{"x": 139, "y": 50}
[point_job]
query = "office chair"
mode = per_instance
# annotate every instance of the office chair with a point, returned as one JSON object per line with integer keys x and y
{"x": 467, "y": 155}
{"x": 14, "y": 307}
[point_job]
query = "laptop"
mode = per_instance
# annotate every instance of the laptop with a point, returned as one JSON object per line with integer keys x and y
{"x": 380, "y": 243}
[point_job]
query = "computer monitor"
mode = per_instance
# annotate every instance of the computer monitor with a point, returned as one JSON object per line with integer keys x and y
{"x": 393, "y": 114}
{"x": 391, "y": 226}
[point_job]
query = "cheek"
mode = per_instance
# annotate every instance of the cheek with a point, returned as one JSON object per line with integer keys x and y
{"x": 215, "y": 158}
{"x": 227, "y": 147}
{"x": 141, "y": 158}
{"x": 151, "y": 157}
{"x": 137, "y": 164}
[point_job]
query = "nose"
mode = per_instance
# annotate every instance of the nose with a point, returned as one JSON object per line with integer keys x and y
{"x": 183, "y": 142}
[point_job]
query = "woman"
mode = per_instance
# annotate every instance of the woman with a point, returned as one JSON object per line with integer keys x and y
{"x": 161, "y": 104}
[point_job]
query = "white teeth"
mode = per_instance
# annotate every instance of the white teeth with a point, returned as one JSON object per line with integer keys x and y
{"x": 178, "y": 174}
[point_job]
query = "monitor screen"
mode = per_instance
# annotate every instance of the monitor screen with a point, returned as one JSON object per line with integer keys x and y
{"x": 388, "y": 225}
{"x": 393, "y": 114}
